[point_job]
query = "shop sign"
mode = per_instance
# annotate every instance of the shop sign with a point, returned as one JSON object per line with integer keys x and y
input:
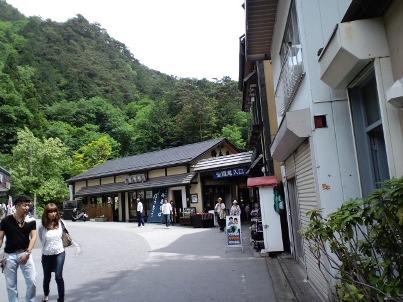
{"x": 233, "y": 228}
{"x": 158, "y": 200}
{"x": 133, "y": 179}
{"x": 231, "y": 172}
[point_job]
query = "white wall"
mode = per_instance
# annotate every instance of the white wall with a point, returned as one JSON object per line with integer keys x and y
{"x": 392, "y": 118}
{"x": 335, "y": 160}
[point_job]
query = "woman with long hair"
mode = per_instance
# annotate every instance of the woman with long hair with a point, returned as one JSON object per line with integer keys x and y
{"x": 53, "y": 254}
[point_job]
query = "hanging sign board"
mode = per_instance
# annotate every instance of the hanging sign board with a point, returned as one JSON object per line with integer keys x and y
{"x": 233, "y": 231}
{"x": 231, "y": 172}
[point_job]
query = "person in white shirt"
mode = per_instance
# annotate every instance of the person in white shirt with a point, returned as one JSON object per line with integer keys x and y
{"x": 140, "y": 218}
{"x": 235, "y": 209}
{"x": 220, "y": 210}
{"x": 166, "y": 211}
{"x": 53, "y": 254}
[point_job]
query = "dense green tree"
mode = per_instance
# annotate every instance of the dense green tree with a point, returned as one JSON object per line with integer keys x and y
{"x": 72, "y": 81}
{"x": 153, "y": 127}
{"x": 38, "y": 167}
{"x": 92, "y": 155}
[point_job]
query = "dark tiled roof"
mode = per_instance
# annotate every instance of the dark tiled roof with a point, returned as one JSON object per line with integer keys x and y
{"x": 220, "y": 162}
{"x": 158, "y": 182}
{"x": 5, "y": 171}
{"x": 158, "y": 159}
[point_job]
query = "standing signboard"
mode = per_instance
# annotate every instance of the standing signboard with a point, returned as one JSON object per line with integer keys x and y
{"x": 233, "y": 231}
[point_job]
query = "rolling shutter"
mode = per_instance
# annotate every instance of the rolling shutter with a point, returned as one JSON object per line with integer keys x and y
{"x": 307, "y": 201}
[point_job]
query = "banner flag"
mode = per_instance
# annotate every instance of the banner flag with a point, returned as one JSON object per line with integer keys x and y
{"x": 10, "y": 205}
{"x": 158, "y": 200}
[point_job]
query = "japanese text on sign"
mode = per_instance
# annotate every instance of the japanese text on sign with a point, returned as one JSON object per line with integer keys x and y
{"x": 233, "y": 172}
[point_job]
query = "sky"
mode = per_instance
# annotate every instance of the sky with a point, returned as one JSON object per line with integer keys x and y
{"x": 183, "y": 38}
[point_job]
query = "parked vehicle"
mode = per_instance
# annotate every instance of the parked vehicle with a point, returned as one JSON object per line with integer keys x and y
{"x": 79, "y": 215}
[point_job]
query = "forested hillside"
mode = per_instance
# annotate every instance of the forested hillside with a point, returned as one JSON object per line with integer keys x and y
{"x": 71, "y": 87}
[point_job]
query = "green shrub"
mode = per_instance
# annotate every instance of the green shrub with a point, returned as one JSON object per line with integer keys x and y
{"x": 365, "y": 237}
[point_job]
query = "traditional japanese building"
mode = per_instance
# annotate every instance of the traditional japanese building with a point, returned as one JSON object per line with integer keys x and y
{"x": 111, "y": 189}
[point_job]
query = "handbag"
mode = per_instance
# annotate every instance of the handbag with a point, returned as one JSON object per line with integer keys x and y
{"x": 2, "y": 261}
{"x": 66, "y": 238}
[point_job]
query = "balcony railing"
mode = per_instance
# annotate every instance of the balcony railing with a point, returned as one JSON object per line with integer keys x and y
{"x": 291, "y": 75}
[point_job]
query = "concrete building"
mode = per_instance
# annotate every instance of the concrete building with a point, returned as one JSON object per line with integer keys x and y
{"x": 338, "y": 96}
{"x": 5, "y": 183}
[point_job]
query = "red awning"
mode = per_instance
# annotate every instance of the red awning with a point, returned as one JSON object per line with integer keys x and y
{"x": 264, "y": 181}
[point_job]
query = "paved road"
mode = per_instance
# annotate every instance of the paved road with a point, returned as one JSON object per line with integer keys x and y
{"x": 121, "y": 262}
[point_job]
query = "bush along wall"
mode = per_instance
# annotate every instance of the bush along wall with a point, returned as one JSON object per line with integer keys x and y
{"x": 365, "y": 239}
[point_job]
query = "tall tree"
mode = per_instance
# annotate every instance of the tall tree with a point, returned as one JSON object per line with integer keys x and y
{"x": 92, "y": 155}
{"x": 38, "y": 167}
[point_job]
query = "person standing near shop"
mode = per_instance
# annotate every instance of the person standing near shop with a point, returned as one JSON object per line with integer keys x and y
{"x": 20, "y": 232}
{"x": 53, "y": 254}
{"x": 235, "y": 209}
{"x": 247, "y": 211}
{"x": 140, "y": 218}
{"x": 173, "y": 212}
{"x": 166, "y": 211}
{"x": 220, "y": 210}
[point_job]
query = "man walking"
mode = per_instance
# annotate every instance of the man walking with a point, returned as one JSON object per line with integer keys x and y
{"x": 20, "y": 232}
{"x": 140, "y": 218}
{"x": 166, "y": 211}
{"x": 220, "y": 210}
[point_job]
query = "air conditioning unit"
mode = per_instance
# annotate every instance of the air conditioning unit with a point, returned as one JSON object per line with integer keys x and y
{"x": 8, "y": 185}
{"x": 350, "y": 48}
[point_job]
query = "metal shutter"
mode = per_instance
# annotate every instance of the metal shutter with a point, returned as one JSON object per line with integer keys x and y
{"x": 290, "y": 167}
{"x": 307, "y": 201}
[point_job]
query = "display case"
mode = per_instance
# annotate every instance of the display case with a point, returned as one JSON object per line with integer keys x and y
{"x": 185, "y": 216}
{"x": 203, "y": 220}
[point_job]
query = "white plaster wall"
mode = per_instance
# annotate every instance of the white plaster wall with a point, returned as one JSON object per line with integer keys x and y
{"x": 392, "y": 118}
{"x": 335, "y": 160}
{"x": 317, "y": 20}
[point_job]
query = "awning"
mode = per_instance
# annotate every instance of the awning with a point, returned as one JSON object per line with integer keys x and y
{"x": 158, "y": 182}
{"x": 294, "y": 129}
{"x": 260, "y": 17}
{"x": 255, "y": 162}
{"x": 351, "y": 47}
{"x": 264, "y": 181}
{"x": 222, "y": 162}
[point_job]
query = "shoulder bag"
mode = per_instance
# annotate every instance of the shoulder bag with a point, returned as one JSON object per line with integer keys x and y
{"x": 66, "y": 238}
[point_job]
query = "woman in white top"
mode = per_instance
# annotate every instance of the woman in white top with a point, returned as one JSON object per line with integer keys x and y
{"x": 53, "y": 254}
{"x": 235, "y": 209}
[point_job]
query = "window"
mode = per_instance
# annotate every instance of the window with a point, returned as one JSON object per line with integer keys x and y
{"x": 368, "y": 131}
{"x": 292, "y": 71}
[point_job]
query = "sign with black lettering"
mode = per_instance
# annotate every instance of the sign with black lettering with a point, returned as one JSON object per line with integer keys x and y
{"x": 137, "y": 178}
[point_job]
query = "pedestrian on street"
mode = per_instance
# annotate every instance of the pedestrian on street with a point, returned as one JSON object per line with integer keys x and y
{"x": 247, "y": 211}
{"x": 3, "y": 210}
{"x": 140, "y": 218}
{"x": 53, "y": 254}
{"x": 173, "y": 212}
{"x": 235, "y": 209}
{"x": 20, "y": 232}
{"x": 166, "y": 211}
{"x": 220, "y": 210}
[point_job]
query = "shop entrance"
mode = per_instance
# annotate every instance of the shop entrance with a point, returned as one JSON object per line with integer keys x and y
{"x": 177, "y": 198}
